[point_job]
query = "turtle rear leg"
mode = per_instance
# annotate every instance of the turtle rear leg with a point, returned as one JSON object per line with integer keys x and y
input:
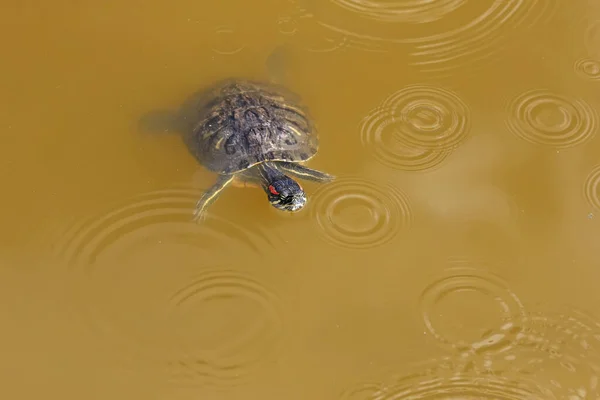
{"x": 302, "y": 172}
{"x": 210, "y": 196}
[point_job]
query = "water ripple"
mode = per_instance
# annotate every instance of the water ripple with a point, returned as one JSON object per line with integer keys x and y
{"x": 467, "y": 32}
{"x": 356, "y": 213}
{"x": 413, "y": 11}
{"x": 315, "y": 37}
{"x": 287, "y": 25}
{"x": 227, "y": 41}
{"x": 226, "y": 354}
{"x": 559, "y": 345}
{"x": 379, "y": 136}
{"x": 544, "y": 117}
{"x": 592, "y": 187}
{"x": 447, "y": 379}
{"x": 154, "y": 218}
{"x": 176, "y": 316}
{"x": 463, "y": 285}
{"x": 588, "y": 68}
{"x": 416, "y": 127}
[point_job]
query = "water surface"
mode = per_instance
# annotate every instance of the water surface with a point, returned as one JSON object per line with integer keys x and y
{"x": 453, "y": 257}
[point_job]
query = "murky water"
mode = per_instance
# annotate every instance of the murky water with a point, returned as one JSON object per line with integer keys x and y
{"x": 455, "y": 255}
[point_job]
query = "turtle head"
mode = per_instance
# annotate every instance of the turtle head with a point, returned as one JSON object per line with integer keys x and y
{"x": 286, "y": 194}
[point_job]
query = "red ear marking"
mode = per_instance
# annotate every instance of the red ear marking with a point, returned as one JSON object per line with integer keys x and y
{"x": 272, "y": 190}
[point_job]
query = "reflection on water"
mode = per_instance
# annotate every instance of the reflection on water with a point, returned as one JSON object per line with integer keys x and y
{"x": 453, "y": 257}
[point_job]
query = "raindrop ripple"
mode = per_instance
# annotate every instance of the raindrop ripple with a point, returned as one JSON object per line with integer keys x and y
{"x": 151, "y": 244}
{"x": 386, "y": 209}
{"x": 588, "y": 68}
{"x": 447, "y": 379}
{"x": 560, "y": 345}
{"x": 226, "y": 363}
{"x": 156, "y": 217}
{"x": 411, "y": 11}
{"x": 465, "y": 276}
{"x": 592, "y": 187}
{"x": 226, "y": 41}
{"x": 416, "y": 128}
{"x": 467, "y": 32}
{"x": 571, "y": 121}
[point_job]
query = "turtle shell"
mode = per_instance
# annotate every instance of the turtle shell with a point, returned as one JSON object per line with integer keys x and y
{"x": 243, "y": 123}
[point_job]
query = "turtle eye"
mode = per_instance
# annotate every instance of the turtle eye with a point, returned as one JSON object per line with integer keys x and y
{"x": 273, "y": 191}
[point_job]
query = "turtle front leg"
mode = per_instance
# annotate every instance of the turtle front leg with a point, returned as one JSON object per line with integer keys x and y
{"x": 302, "y": 172}
{"x": 210, "y": 196}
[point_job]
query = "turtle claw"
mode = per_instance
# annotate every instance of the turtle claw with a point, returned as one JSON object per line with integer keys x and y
{"x": 210, "y": 196}
{"x": 200, "y": 217}
{"x": 200, "y": 214}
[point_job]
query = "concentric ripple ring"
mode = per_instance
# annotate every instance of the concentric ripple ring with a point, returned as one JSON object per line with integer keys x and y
{"x": 592, "y": 187}
{"x": 124, "y": 265}
{"x": 459, "y": 35}
{"x": 379, "y": 135}
{"x": 357, "y": 213}
{"x": 416, "y": 11}
{"x": 226, "y": 355}
{"x": 446, "y": 378}
{"x": 137, "y": 220}
{"x": 544, "y": 117}
{"x": 588, "y": 68}
{"x": 427, "y": 117}
{"x": 456, "y": 289}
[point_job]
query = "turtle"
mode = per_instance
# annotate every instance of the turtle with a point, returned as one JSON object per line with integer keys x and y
{"x": 252, "y": 133}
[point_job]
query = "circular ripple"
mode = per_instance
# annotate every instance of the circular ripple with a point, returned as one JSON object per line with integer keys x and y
{"x": 416, "y": 128}
{"x": 154, "y": 218}
{"x": 588, "y": 68}
{"x": 378, "y": 134}
{"x": 415, "y": 11}
{"x": 448, "y": 379}
{"x": 458, "y": 34}
{"x": 150, "y": 246}
{"x": 559, "y": 345}
{"x": 357, "y": 213}
{"x": 365, "y": 390}
{"x": 463, "y": 387}
{"x": 315, "y": 37}
{"x": 490, "y": 313}
{"x": 287, "y": 25}
{"x": 592, "y": 187}
{"x": 428, "y": 117}
{"x": 224, "y": 345}
{"x": 226, "y": 41}
{"x": 543, "y": 117}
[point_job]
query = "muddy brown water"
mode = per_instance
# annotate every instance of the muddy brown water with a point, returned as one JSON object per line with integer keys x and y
{"x": 455, "y": 256}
